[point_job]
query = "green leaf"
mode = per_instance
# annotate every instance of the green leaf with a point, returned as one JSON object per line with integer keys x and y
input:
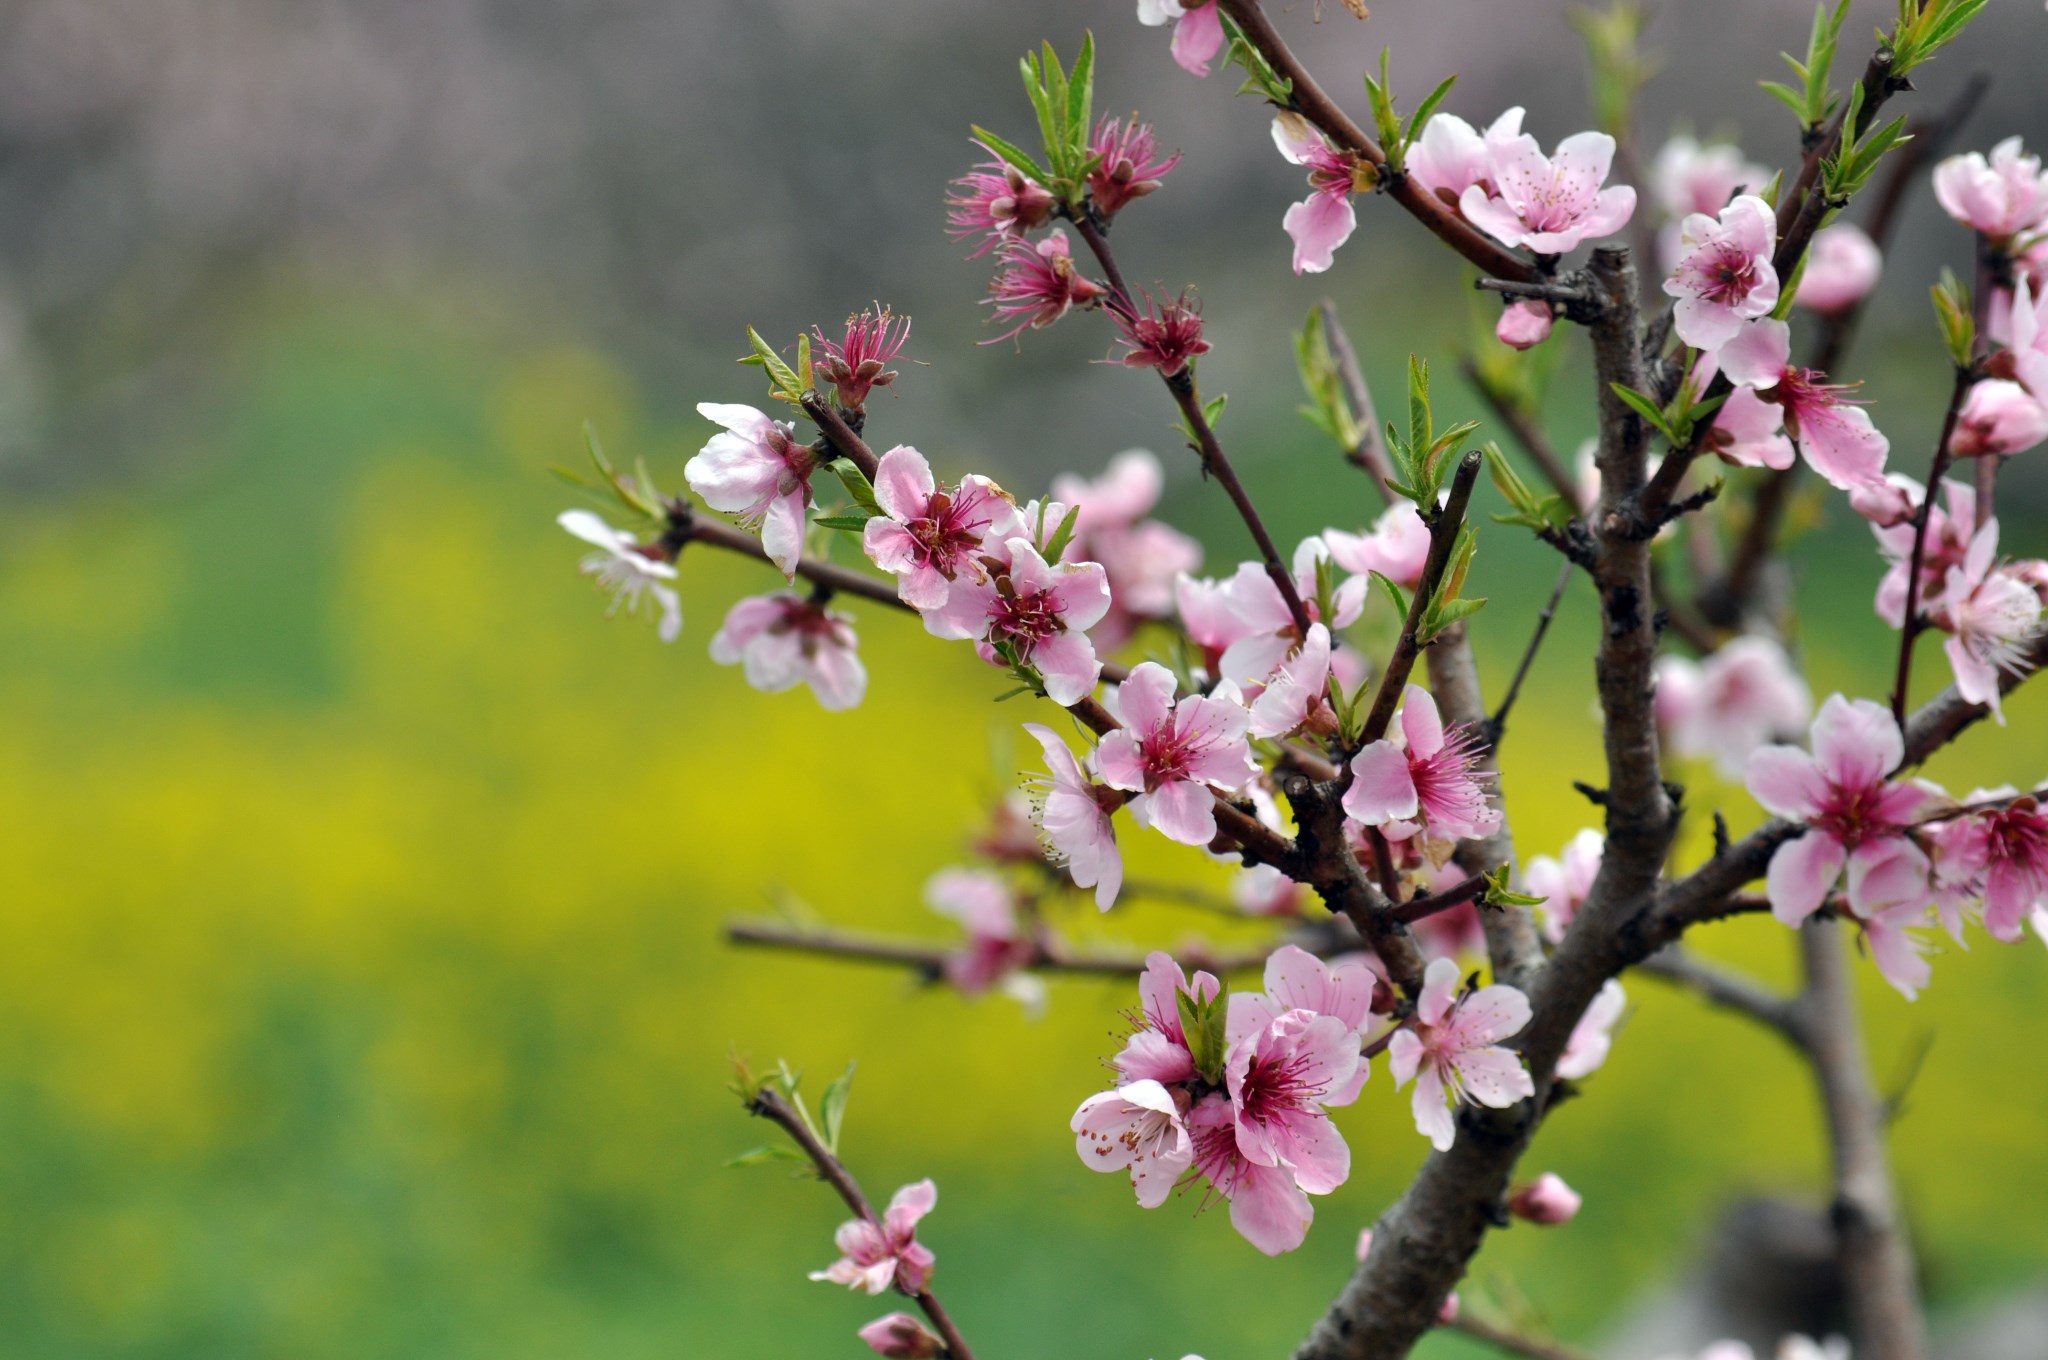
{"x": 1063, "y": 535}
{"x": 1419, "y": 119}
{"x": 1015, "y": 156}
{"x": 1201, "y": 1023}
{"x": 1394, "y": 594}
{"x": 785, "y": 383}
{"x": 803, "y": 361}
{"x": 771, "y": 1152}
{"x": 1081, "y": 94}
{"x": 1212, "y": 410}
{"x": 1498, "y": 894}
{"x": 1036, "y": 79}
{"x": 1645, "y": 408}
{"x": 857, "y": 485}
{"x": 850, "y": 523}
{"x": 832, "y": 1108}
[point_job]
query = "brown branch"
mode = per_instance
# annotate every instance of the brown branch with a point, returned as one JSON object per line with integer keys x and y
{"x": 1311, "y": 102}
{"x": 1876, "y": 1258}
{"x": 769, "y": 1104}
{"x": 1513, "y": 1343}
{"x": 1729, "y": 989}
{"x": 1215, "y": 462}
{"x": 1370, "y": 455}
{"x": 1444, "y": 525}
{"x": 929, "y": 960}
{"x": 1909, "y": 628}
{"x": 843, "y": 437}
{"x": 1457, "y": 895}
{"x": 687, "y": 524}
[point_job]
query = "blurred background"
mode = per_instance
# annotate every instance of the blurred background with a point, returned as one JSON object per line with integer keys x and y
{"x": 361, "y": 984}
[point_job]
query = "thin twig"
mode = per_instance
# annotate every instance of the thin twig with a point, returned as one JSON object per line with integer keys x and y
{"x": 834, "y": 427}
{"x": 1443, "y": 536}
{"x": 769, "y": 1104}
{"x": 1497, "y": 725}
{"x": 1371, "y": 454}
{"x": 1909, "y": 629}
{"x": 929, "y": 960}
{"x": 1457, "y": 895}
{"x": 1514, "y": 1343}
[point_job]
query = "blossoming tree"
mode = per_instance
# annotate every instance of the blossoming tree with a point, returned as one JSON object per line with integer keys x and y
{"x": 1236, "y": 712}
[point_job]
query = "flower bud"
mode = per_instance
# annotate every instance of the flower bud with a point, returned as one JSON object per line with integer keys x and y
{"x": 1884, "y": 503}
{"x": 1548, "y": 1201}
{"x": 1524, "y": 324}
{"x": 902, "y": 1337}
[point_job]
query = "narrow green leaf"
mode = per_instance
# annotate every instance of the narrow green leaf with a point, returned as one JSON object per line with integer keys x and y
{"x": 1063, "y": 535}
{"x": 1018, "y": 158}
{"x": 857, "y": 485}
{"x": 1643, "y": 407}
{"x": 1212, "y": 410}
{"x": 1081, "y": 94}
{"x": 832, "y": 1107}
{"x": 1394, "y": 594}
{"x": 772, "y": 1152}
{"x": 1419, "y": 119}
{"x": 850, "y": 523}
{"x": 779, "y": 373}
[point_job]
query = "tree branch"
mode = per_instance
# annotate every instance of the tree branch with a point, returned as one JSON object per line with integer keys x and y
{"x": 1909, "y": 627}
{"x": 769, "y": 1104}
{"x": 843, "y": 437}
{"x": 1722, "y": 986}
{"x": 1513, "y": 1343}
{"x": 1877, "y": 1261}
{"x": 1371, "y": 453}
{"x": 929, "y": 960}
{"x": 1310, "y": 101}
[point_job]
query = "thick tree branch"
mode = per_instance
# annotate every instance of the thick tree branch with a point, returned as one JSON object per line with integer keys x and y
{"x": 1311, "y": 102}
{"x": 1877, "y": 1261}
{"x": 769, "y": 1104}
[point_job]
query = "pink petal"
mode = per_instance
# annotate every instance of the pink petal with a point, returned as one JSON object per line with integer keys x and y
{"x": 1494, "y": 1076}
{"x": 1319, "y": 224}
{"x": 1145, "y": 700}
{"x": 1183, "y": 811}
{"x": 903, "y": 483}
{"x": 1268, "y": 1208}
{"x": 1420, "y": 722}
{"x": 1801, "y": 872}
{"x": 1433, "y": 1117}
{"x": 1198, "y": 37}
{"x": 1382, "y": 788}
{"x": 1067, "y": 664}
{"x": 1787, "y": 781}
{"x": 1856, "y": 742}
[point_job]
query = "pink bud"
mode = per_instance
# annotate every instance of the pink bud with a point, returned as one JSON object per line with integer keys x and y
{"x": 902, "y": 1337}
{"x": 1842, "y": 265}
{"x": 1364, "y": 1243}
{"x": 1524, "y": 324}
{"x": 1548, "y": 1201}
{"x": 1999, "y": 418}
{"x": 1448, "y": 1314}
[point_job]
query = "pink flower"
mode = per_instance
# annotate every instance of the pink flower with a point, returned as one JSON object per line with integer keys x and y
{"x": 1028, "y": 613}
{"x": 2011, "y": 845}
{"x": 998, "y": 203}
{"x": 1165, "y": 335}
{"x": 1452, "y": 1054}
{"x": 1279, "y": 1075}
{"x": 1724, "y": 276}
{"x": 1261, "y": 633}
{"x": 1690, "y": 178}
{"x": 1429, "y": 777}
{"x": 1037, "y": 285}
{"x": 1999, "y": 418}
{"x": 899, "y": 1336}
{"x": 1842, "y": 266}
{"x": 1343, "y": 989}
{"x": 1564, "y": 882}
{"x": 1262, "y": 890}
{"x": 1547, "y": 1201}
{"x": 1744, "y": 696}
{"x": 874, "y": 1256}
{"x": 1853, "y": 813}
{"x": 1294, "y": 695}
{"x": 1397, "y": 546}
{"x": 1175, "y": 753}
{"x": 1128, "y": 168}
{"x": 1073, "y": 813}
{"x": 1990, "y": 615}
{"x": 1450, "y": 156}
{"x": 1524, "y": 325}
{"x": 2001, "y": 197}
{"x": 757, "y": 471}
{"x": 981, "y": 901}
{"x": 1833, "y": 432}
{"x": 1158, "y": 1050}
{"x": 1141, "y": 556}
{"x": 860, "y": 361}
{"x": 1324, "y": 220}
{"x": 1951, "y": 527}
{"x": 1197, "y": 29}
{"x": 1585, "y": 1052}
{"x": 1549, "y": 204}
{"x": 631, "y": 572}
{"x": 782, "y": 641}
{"x": 1898, "y": 950}
{"x": 1888, "y": 503}
{"x": 2027, "y": 336}
{"x": 1267, "y": 1206}
{"x": 1137, "y": 1127}
{"x": 926, "y": 537}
